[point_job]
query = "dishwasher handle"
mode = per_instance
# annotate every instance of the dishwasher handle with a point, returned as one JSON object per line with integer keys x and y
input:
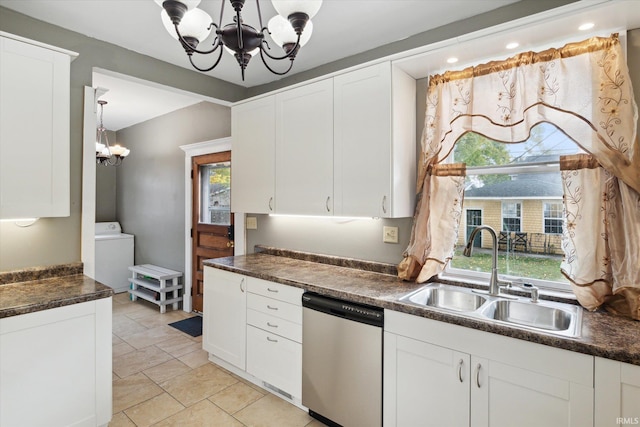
{"x": 348, "y": 310}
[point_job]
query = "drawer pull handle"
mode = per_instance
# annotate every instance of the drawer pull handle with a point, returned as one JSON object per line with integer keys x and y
{"x": 460, "y": 365}
{"x": 327, "y": 204}
{"x": 384, "y": 204}
{"x": 272, "y": 308}
{"x": 271, "y": 325}
{"x": 272, "y": 290}
{"x": 242, "y": 284}
{"x": 478, "y": 375}
{"x": 271, "y": 204}
{"x": 271, "y": 339}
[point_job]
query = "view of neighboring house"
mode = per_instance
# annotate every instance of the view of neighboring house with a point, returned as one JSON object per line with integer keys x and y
{"x": 526, "y": 208}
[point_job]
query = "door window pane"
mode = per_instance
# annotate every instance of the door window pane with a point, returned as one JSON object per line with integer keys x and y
{"x": 215, "y": 193}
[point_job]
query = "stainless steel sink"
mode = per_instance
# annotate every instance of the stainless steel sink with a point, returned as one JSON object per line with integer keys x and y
{"x": 544, "y": 316}
{"x": 552, "y": 317}
{"x": 446, "y": 297}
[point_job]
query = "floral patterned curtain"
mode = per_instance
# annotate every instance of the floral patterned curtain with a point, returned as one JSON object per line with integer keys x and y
{"x": 441, "y": 205}
{"x": 582, "y": 88}
{"x": 601, "y": 239}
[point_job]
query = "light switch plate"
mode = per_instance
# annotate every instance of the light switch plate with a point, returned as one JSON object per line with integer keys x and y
{"x": 389, "y": 234}
{"x": 252, "y": 223}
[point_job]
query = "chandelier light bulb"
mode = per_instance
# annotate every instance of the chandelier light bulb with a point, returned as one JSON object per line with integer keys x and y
{"x": 287, "y": 7}
{"x": 194, "y": 23}
{"x": 282, "y": 32}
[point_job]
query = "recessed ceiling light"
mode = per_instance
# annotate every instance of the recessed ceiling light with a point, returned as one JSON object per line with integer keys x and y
{"x": 452, "y": 60}
{"x": 586, "y": 26}
{"x": 513, "y": 45}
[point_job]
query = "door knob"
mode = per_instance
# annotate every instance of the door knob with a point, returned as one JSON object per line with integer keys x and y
{"x": 230, "y": 244}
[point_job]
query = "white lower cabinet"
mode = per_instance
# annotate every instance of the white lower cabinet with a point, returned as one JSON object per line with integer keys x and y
{"x": 439, "y": 374}
{"x": 275, "y": 360}
{"x": 274, "y": 336}
{"x": 55, "y": 366}
{"x": 255, "y": 326}
{"x": 617, "y": 393}
{"x": 225, "y": 315}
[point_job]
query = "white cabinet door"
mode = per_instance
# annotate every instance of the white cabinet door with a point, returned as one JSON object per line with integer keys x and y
{"x": 304, "y": 150}
{"x": 425, "y": 385}
{"x": 34, "y": 131}
{"x": 374, "y": 142}
{"x": 275, "y": 360}
{"x": 506, "y": 395}
{"x": 225, "y": 315}
{"x": 55, "y": 366}
{"x": 362, "y": 141}
{"x": 253, "y": 128}
{"x": 617, "y": 395}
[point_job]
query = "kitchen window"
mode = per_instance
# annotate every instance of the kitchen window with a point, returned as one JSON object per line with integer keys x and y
{"x": 518, "y": 187}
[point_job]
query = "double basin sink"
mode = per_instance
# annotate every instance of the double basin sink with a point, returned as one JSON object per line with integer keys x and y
{"x": 543, "y": 316}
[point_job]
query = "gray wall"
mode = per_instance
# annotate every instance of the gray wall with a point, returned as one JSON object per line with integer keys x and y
{"x": 150, "y": 183}
{"x": 106, "y": 188}
{"x": 57, "y": 240}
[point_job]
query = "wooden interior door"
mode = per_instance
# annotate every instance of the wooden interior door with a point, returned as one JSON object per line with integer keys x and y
{"x": 212, "y": 220}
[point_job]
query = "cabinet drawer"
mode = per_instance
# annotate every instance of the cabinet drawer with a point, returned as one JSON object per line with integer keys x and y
{"x": 273, "y": 307}
{"x": 275, "y": 325}
{"x": 275, "y": 360}
{"x": 274, "y": 290}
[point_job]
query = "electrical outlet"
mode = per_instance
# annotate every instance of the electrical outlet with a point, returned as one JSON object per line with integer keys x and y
{"x": 252, "y": 223}
{"x": 390, "y": 234}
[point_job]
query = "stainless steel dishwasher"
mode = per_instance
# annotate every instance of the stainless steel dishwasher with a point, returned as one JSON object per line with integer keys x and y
{"x": 342, "y": 361}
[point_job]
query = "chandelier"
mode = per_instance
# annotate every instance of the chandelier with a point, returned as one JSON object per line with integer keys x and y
{"x": 106, "y": 154}
{"x": 191, "y": 26}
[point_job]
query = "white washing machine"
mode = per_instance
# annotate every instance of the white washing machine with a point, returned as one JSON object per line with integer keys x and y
{"x": 114, "y": 255}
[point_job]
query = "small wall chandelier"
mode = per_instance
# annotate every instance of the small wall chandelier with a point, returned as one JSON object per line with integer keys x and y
{"x": 191, "y": 26}
{"x": 106, "y": 154}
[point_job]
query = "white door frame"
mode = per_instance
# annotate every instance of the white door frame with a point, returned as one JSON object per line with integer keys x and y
{"x": 192, "y": 150}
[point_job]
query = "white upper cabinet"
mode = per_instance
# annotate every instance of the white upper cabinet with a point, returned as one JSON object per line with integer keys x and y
{"x": 342, "y": 146}
{"x": 253, "y": 126}
{"x": 34, "y": 129}
{"x": 374, "y": 142}
{"x": 304, "y": 150}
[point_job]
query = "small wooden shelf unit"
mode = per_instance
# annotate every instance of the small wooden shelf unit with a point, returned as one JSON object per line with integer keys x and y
{"x": 153, "y": 283}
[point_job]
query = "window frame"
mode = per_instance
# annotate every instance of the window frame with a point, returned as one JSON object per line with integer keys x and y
{"x": 545, "y": 218}
{"x": 519, "y": 204}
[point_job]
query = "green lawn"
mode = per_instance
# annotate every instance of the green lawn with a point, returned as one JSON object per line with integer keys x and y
{"x": 516, "y": 264}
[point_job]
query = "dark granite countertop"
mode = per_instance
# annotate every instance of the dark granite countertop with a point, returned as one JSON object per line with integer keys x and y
{"x": 38, "y": 291}
{"x": 603, "y": 334}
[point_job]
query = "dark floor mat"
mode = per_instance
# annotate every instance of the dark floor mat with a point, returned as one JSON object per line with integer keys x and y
{"x": 191, "y": 326}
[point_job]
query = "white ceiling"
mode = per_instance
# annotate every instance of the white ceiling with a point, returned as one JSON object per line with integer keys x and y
{"x": 341, "y": 28}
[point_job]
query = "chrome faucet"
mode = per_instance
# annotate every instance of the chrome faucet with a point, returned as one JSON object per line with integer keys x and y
{"x": 494, "y": 282}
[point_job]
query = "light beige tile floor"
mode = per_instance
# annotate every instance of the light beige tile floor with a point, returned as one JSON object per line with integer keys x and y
{"x": 162, "y": 377}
